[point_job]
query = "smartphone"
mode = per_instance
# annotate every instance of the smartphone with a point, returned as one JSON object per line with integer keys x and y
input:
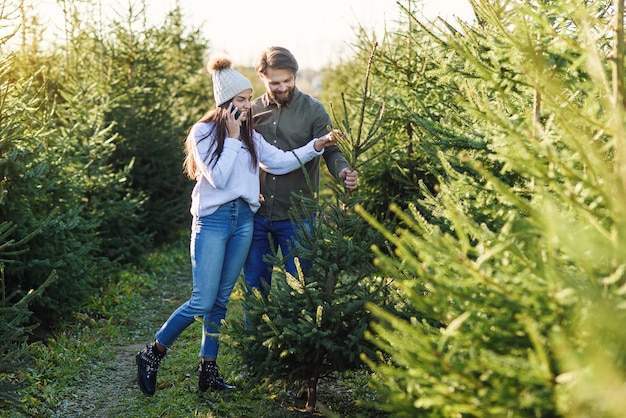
{"x": 237, "y": 113}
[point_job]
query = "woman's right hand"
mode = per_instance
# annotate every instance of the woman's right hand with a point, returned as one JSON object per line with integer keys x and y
{"x": 233, "y": 124}
{"x": 327, "y": 140}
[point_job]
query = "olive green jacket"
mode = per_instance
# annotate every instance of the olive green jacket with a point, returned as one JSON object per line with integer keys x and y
{"x": 289, "y": 127}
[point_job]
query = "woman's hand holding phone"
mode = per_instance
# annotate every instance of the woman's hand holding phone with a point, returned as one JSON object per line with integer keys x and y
{"x": 232, "y": 122}
{"x": 237, "y": 111}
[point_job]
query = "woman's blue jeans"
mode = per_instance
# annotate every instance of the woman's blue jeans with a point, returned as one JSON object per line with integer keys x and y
{"x": 219, "y": 246}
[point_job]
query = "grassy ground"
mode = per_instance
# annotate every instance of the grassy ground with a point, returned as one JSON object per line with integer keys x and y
{"x": 88, "y": 369}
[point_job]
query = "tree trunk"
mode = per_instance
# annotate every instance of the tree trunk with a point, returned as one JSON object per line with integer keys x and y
{"x": 311, "y": 388}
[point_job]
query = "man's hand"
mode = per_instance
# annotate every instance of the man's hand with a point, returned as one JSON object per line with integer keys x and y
{"x": 350, "y": 178}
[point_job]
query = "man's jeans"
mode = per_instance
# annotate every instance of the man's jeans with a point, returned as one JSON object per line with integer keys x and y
{"x": 256, "y": 271}
{"x": 219, "y": 246}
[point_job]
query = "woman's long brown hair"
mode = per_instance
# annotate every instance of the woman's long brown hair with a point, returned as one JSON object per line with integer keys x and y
{"x": 218, "y": 135}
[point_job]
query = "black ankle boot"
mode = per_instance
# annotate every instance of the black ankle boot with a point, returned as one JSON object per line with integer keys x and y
{"x": 209, "y": 377}
{"x": 148, "y": 360}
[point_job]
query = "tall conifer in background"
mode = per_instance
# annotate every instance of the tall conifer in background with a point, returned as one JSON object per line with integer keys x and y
{"x": 164, "y": 89}
{"x": 36, "y": 193}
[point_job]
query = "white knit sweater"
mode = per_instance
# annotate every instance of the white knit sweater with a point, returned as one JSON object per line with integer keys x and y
{"x": 233, "y": 177}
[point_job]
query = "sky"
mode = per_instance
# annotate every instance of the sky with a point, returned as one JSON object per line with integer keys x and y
{"x": 316, "y": 32}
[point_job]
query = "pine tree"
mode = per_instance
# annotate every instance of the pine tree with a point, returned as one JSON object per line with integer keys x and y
{"x": 164, "y": 90}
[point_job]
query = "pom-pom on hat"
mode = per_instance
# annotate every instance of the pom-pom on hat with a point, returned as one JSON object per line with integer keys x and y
{"x": 227, "y": 83}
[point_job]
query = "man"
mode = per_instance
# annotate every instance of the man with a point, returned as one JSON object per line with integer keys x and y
{"x": 287, "y": 118}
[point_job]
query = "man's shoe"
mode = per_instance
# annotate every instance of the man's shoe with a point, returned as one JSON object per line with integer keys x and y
{"x": 209, "y": 377}
{"x": 148, "y": 361}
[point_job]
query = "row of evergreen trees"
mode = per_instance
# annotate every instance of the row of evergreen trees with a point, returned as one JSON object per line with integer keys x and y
{"x": 503, "y": 159}
{"x": 92, "y": 134}
{"x": 91, "y": 138}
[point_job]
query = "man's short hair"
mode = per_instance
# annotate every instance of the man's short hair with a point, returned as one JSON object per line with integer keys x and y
{"x": 276, "y": 57}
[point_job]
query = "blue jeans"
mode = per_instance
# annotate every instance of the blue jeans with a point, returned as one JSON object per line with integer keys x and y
{"x": 219, "y": 246}
{"x": 268, "y": 237}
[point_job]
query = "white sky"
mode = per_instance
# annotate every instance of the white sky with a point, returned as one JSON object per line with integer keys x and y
{"x": 314, "y": 31}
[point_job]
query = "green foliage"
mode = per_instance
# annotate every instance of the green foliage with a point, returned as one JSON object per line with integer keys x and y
{"x": 516, "y": 257}
{"x": 14, "y": 331}
{"x": 420, "y": 117}
{"x": 355, "y": 144}
{"x": 35, "y": 198}
{"x": 14, "y": 319}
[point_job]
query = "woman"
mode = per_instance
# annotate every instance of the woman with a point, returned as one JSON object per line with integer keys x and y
{"x": 223, "y": 154}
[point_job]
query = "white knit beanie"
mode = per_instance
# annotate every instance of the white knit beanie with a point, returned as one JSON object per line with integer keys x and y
{"x": 227, "y": 83}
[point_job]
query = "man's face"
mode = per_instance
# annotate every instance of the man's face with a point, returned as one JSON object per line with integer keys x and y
{"x": 279, "y": 84}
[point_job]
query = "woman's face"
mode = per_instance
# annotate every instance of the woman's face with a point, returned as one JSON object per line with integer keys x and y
{"x": 242, "y": 102}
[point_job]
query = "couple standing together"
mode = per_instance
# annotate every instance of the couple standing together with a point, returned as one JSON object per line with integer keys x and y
{"x": 237, "y": 220}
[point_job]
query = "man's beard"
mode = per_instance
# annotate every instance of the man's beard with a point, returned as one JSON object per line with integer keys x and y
{"x": 283, "y": 98}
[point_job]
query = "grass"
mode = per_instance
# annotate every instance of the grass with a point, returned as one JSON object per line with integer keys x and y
{"x": 88, "y": 369}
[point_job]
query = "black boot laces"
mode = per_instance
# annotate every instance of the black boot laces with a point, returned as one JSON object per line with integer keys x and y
{"x": 151, "y": 360}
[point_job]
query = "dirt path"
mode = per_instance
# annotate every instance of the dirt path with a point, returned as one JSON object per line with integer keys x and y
{"x": 110, "y": 383}
{"x": 106, "y": 386}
